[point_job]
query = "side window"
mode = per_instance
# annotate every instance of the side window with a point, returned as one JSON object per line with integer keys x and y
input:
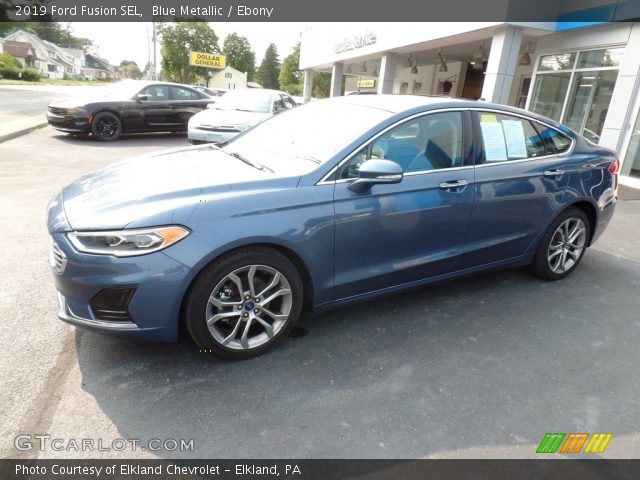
{"x": 278, "y": 103}
{"x": 157, "y": 93}
{"x": 184, "y": 94}
{"x": 505, "y": 137}
{"x": 431, "y": 142}
{"x": 288, "y": 101}
{"x": 555, "y": 141}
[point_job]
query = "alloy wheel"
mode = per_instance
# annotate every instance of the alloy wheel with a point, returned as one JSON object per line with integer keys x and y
{"x": 566, "y": 245}
{"x": 248, "y": 307}
{"x": 107, "y": 126}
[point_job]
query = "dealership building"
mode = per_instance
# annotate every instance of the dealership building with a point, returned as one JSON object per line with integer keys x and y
{"x": 585, "y": 75}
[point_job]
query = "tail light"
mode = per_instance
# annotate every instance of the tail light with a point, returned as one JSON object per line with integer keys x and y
{"x": 614, "y": 168}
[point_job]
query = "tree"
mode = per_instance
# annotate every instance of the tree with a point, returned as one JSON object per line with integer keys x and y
{"x": 239, "y": 54}
{"x": 178, "y": 40}
{"x": 269, "y": 69}
{"x": 291, "y": 78}
{"x": 130, "y": 69}
{"x": 146, "y": 73}
{"x": 321, "y": 84}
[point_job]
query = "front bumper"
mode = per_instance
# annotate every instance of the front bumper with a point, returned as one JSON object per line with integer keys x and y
{"x": 68, "y": 123}
{"x": 160, "y": 284}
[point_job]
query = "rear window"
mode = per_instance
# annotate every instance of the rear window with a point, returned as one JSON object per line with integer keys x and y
{"x": 555, "y": 141}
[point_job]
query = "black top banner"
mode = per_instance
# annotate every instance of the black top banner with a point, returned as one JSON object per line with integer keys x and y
{"x": 320, "y": 11}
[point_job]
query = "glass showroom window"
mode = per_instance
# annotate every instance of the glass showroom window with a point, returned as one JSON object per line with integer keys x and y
{"x": 575, "y": 88}
{"x": 631, "y": 164}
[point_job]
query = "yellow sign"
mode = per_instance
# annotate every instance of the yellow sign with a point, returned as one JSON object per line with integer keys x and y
{"x": 366, "y": 83}
{"x": 208, "y": 60}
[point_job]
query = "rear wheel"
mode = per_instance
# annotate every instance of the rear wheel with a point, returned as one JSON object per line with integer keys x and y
{"x": 245, "y": 303}
{"x": 106, "y": 127}
{"x": 563, "y": 246}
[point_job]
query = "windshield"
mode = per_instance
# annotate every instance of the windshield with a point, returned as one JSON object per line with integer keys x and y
{"x": 124, "y": 89}
{"x": 246, "y": 100}
{"x": 314, "y": 132}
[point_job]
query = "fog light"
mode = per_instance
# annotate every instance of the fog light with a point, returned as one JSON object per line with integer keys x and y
{"x": 112, "y": 304}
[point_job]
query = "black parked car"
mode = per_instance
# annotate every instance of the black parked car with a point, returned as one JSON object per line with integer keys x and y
{"x": 127, "y": 107}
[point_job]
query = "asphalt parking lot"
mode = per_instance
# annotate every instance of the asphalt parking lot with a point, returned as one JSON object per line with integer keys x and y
{"x": 480, "y": 367}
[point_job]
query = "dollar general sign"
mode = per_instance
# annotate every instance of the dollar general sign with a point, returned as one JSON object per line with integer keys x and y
{"x": 208, "y": 60}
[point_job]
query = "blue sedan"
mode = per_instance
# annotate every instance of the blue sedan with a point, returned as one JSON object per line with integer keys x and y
{"x": 334, "y": 202}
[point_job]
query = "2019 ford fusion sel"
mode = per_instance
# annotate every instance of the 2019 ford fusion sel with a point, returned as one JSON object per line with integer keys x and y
{"x": 330, "y": 203}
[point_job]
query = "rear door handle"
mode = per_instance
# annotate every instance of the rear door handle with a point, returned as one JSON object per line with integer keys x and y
{"x": 553, "y": 173}
{"x": 454, "y": 184}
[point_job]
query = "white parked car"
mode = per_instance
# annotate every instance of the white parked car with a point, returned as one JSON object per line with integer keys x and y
{"x": 235, "y": 112}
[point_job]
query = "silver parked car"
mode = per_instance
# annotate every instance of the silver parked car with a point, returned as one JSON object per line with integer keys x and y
{"x": 235, "y": 112}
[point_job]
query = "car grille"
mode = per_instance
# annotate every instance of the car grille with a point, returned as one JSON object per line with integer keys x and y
{"x": 57, "y": 258}
{"x": 218, "y": 128}
{"x": 58, "y": 111}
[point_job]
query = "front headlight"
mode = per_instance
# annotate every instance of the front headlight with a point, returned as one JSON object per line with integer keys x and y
{"x": 78, "y": 111}
{"x": 127, "y": 243}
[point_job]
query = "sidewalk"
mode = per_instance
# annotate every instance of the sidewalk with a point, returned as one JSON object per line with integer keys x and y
{"x": 20, "y": 126}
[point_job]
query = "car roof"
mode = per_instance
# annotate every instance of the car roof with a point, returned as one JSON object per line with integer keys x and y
{"x": 400, "y": 103}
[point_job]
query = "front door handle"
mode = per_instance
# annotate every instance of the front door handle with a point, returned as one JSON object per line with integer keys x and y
{"x": 454, "y": 184}
{"x": 553, "y": 173}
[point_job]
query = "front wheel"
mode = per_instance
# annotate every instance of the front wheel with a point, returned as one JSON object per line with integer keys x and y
{"x": 245, "y": 303}
{"x": 563, "y": 246}
{"x": 106, "y": 127}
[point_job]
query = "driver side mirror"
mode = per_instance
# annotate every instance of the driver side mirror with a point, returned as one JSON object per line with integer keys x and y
{"x": 375, "y": 172}
{"x": 141, "y": 97}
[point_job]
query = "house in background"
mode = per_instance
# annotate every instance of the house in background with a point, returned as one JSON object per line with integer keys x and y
{"x": 55, "y": 61}
{"x": 32, "y": 51}
{"x": 229, "y": 78}
{"x": 97, "y": 68}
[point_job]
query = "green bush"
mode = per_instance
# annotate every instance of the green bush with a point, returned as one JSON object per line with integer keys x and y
{"x": 7, "y": 60}
{"x": 31, "y": 74}
{"x": 10, "y": 72}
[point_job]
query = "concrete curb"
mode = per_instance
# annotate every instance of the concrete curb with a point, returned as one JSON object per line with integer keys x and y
{"x": 21, "y": 131}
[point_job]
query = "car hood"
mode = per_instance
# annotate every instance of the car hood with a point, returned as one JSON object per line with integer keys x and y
{"x": 87, "y": 98}
{"x": 135, "y": 189}
{"x": 214, "y": 117}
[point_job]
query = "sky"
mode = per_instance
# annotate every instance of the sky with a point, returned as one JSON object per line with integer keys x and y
{"x": 132, "y": 40}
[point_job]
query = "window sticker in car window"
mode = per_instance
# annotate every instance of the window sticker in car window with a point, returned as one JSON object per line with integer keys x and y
{"x": 494, "y": 145}
{"x": 487, "y": 117}
{"x": 514, "y": 135}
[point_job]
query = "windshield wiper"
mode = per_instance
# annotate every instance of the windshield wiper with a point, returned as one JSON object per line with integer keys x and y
{"x": 248, "y": 162}
{"x": 311, "y": 159}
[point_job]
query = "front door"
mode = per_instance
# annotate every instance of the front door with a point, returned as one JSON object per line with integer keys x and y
{"x": 156, "y": 109}
{"x": 405, "y": 232}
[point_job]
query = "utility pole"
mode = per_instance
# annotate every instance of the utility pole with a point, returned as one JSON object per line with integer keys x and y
{"x": 155, "y": 60}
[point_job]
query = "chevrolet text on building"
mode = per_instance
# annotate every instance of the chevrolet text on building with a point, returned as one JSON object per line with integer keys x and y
{"x": 357, "y": 41}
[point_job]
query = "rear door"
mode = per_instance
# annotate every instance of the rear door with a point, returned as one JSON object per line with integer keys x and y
{"x": 520, "y": 185}
{"x": 185, "y": 103}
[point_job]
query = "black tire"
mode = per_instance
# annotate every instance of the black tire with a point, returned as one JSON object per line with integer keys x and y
{"x": 213, "y": 283}
{"x": 106, "y": 127}
{"x": 543, "y": 264}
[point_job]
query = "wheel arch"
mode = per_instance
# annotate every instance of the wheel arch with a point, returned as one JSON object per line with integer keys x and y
{"x": 107, "y": 110}
{"x": 291, "y": 254}
{"x": 590, "y": 211}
